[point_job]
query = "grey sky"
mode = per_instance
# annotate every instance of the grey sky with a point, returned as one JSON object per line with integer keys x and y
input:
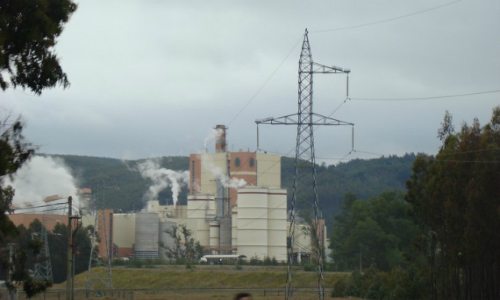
{"x": 151, "y": 78}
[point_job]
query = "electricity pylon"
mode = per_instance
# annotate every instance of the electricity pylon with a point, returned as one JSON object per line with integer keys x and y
{"x": 43, "y": 266}
{"x": 305, "y": 161}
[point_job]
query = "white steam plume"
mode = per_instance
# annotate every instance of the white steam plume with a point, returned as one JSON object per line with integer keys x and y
{"x": 212, "y": 136}
{"x": 39, "y": 178}
{"x": 163, "y": 178}
{"x": 218, "y": 173}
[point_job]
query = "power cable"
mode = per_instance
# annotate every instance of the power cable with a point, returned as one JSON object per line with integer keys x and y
{"x": 39, "y": 206}
{"x": 265, "y": 83}
{"x": 387, "y": 20}
{"x": 426, "y": 98}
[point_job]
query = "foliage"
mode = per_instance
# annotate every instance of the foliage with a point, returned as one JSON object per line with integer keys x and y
{"x": 28, "y": 32}
{"x": 14, "y": 151}
{"x": 126, "y": 188}
{"x": 456, "y": 199}
{"x": 28, "y": 238}
{"x": 377, "y": 232}
{"x": 117, "y": 184}
{"x": 398, "y": 283}
{"x": 184, "y": 249}
{"x": 58, "y": 250}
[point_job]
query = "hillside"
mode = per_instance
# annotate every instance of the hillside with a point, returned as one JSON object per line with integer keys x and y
{"x": 118, "y": 185}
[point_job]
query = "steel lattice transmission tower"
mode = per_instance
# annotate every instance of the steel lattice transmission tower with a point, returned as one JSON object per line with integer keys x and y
{"x": 304, "y": 185}
{"x": 43, "y": 266}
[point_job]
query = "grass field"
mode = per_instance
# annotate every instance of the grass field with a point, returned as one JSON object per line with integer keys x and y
{"x": 200, "y": 282}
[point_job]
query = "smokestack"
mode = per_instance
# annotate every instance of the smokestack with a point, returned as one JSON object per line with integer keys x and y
{"x": 220, "y": 142}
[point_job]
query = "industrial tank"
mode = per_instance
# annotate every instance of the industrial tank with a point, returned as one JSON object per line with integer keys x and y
{"x": 200, "y": 207}
{"x": 146, "y": 235}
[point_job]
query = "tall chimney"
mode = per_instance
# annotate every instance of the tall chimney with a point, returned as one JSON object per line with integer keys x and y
{"x": 220, "y": 142}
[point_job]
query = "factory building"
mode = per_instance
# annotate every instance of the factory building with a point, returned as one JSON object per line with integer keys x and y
{"x": 235, "y": 206}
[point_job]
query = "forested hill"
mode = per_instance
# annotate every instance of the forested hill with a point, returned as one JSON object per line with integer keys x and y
{"x": 122, "y": 188}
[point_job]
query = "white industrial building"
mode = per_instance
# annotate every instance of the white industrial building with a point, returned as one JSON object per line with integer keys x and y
{"x": 235, "y": 206}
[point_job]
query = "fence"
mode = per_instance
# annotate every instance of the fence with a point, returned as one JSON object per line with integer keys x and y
{"x": 167, "y": 294}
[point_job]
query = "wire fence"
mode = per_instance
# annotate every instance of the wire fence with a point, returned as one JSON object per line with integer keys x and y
{"x": 153, "y": 294}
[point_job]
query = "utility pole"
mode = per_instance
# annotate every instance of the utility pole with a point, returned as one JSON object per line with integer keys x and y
{"x": 9, "y": 273}
{"x": 305, "y": 161}
{"x": 69, "y": 277}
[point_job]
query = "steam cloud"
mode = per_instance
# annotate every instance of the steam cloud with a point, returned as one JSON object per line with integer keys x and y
{"x": 42, "y": 177}
{"x": 233, "y": 182}
{"x": 212, "y": 136}
{"x": 163, "y": 178}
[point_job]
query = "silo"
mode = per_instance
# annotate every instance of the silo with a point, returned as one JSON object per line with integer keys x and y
{"x": 146, "y": 235}
{"x": 198, "y": 208}
{"x": 165, "y": 240}
{"x": 276, "y": 224}
{"x": 214, "y": 235}
{"x": 252, "y": 222}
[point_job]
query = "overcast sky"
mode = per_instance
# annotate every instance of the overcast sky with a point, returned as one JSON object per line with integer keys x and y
{"x": 151, "y": 78}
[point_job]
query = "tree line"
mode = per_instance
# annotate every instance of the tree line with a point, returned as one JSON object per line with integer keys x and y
{"x": 439, "y": 240}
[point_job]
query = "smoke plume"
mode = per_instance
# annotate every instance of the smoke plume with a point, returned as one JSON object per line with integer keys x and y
{"x": 41, "y": 177}
{"x": 218, "y": 173}
{"x": 212, "y": 136}
{"x": 163, "y": 178}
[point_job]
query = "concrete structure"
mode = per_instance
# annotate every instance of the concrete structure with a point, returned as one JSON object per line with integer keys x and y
{"x": 146, "y": 235}
{"x": 124, "y": 234}
{"x": 235, "y": 206}
{"x": 261, "y": 223}
{"x": 50, "y": 221}
{"x": 256, "y": 169}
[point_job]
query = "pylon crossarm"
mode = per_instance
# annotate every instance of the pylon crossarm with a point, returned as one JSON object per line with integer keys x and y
{"x": 322, "y": 69}
{"x": 293, "y": 119}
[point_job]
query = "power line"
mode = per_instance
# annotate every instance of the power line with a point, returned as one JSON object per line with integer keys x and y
{"x": 265, "y": 83}
{"x": 426, "y": 98}
{"x": 42, "y": 211}
{"x": 387, "y": 20}
{"x": 39, "y": 206}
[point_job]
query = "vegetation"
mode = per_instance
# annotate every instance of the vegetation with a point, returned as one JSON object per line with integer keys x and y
{"x": 185, "y": 249}
{"x": 455, "y": 197}
{"x": 29, "y": 238}
{"x": 178, "y": 277}
{"x": 14, "y": 152}
{"x": 443, "y": 242}
{"x": 377, "y": 232}
{"x": 118, "y": 185}
{"x": 28, "y": 35}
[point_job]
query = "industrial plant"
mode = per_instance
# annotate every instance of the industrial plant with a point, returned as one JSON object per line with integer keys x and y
{"x": 235, "y": 206}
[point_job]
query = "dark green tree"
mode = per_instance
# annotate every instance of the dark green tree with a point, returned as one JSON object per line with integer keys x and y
{"x": 185, "y": 248}
{"x": 376, "y": 232}
{"x": 28, "y": 32}
{"x": 456, "y": 199}
{"x": 58, "y": 251}
{"x": 14, "y": 151}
